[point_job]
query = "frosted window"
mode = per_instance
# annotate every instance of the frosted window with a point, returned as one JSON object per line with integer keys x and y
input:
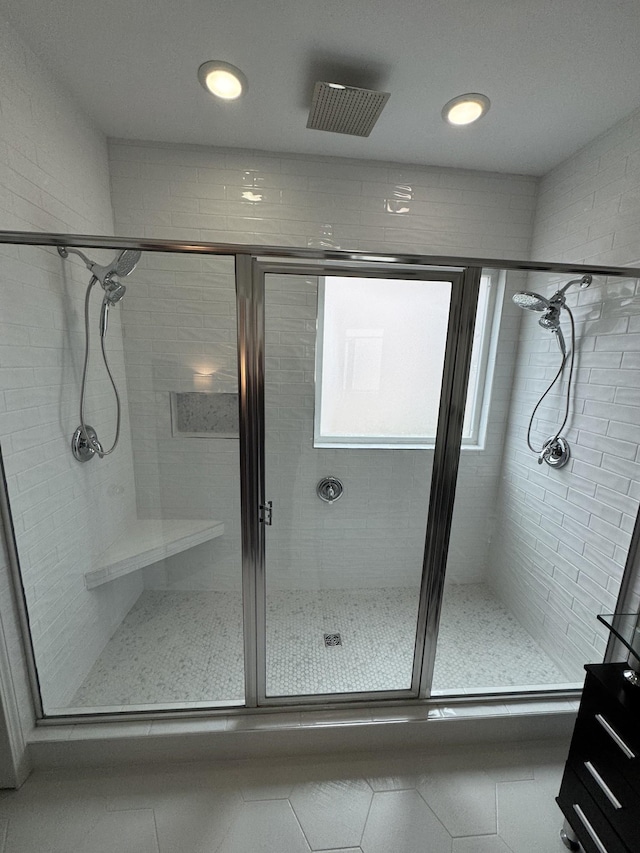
{"x": 380, "y": 357}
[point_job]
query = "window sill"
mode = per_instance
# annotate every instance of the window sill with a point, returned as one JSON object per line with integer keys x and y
{"x": 355, "y": 445}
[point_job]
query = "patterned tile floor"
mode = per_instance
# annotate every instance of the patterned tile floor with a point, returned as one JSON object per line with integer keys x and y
{"x": 472, "y": 800}
{"x": 177, "y": 647}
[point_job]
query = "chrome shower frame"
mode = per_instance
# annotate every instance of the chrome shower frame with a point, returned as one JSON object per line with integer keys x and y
{"x": 251, "y": 263}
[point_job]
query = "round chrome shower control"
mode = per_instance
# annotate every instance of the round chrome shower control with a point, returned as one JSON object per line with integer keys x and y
{"x": 329, "y": 489}
{"x": 82, "y": 449}
{"x": 555, "y": 452}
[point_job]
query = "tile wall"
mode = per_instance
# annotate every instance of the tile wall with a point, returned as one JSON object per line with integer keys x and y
{"x": 566, "y": 532}
{"x": 54, "y": 176}
{"x": 180, "y": 336}
{"x": 242, "y": 196}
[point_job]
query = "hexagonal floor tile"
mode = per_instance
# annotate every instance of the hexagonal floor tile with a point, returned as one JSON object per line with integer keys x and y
{"x": 465, "y": 801}
{"x": 528, "y": 817}
{"x": 401, "y": 821}
{"x": 332, "y": 813}
{"x": 263, "y": 827}
{"x": 195, "y": 821}
{"x": 131, "y": 830}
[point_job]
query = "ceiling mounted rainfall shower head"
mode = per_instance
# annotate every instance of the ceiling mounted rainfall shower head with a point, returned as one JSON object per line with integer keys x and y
{"x": 345, "y": 109}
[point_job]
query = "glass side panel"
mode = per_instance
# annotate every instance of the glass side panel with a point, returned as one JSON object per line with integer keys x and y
{"x": 342, "y": 577}
{"x": 130, "y": 563}
{"x": 538, "y": 550}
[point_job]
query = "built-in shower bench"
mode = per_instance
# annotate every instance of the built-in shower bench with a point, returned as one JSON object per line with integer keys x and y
{"x": 148, "y": 540}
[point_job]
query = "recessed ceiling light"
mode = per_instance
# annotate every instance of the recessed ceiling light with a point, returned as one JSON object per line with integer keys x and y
{"x": 465, "y": 109}
{"x": 222, "y": 80}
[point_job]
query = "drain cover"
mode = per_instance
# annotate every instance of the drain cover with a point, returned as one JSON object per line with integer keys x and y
{"x": 332, "y": 640}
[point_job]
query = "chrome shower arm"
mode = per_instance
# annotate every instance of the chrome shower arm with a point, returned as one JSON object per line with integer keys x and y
{"x": 64, "y": 252}
{"x": 585, "y": 281}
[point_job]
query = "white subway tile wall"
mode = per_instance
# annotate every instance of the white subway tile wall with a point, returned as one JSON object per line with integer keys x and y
{"x": 54, "y": 176}
{"x": 191, "y": 192}
{"x": 562, "y": 538}
{"x": 247, "y": 197}
{"x": 180, "y": 336}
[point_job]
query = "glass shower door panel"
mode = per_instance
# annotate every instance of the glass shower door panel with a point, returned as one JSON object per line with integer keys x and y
{"x": 344, "y": 552}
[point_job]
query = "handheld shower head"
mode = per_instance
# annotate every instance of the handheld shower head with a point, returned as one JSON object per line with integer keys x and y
{"x": 114, "y": 290}
{"x": 113, "y": 293}
{"x": 550, "y": 319}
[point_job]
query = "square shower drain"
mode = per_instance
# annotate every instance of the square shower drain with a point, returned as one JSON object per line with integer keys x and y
{"x": 332, "y": 640}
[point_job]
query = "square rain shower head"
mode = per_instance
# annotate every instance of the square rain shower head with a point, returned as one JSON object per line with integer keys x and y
{"x": 345, "y": 109}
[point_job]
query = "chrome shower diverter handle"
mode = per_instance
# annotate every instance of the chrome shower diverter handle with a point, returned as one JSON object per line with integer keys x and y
{"x": 329, "y": 489}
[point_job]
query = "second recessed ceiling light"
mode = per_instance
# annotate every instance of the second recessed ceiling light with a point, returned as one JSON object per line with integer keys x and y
{"x": 222, "y": 80}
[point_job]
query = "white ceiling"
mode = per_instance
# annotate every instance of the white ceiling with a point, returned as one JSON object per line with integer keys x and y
{"x": 558, "y": 72}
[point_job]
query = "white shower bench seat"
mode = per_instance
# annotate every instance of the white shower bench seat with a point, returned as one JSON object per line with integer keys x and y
{"x": 148, "y": 540}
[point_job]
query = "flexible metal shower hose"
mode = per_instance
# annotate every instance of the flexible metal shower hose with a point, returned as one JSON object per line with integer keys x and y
{"x": 93, "y": 444}
{"x": 555, "y": 379}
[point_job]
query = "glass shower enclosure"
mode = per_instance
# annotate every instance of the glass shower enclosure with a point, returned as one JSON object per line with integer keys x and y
{"x": 311, "y": 501}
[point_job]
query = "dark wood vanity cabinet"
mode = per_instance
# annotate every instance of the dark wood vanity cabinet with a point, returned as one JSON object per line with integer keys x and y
{"x": 600, "y": 792}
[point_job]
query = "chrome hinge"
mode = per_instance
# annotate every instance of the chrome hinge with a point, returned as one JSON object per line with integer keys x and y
{"x": 266, "y": 513}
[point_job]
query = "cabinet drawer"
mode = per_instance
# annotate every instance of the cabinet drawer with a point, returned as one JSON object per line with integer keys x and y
{"x": 594, "y": 831}
{"x": 614, "y": 709}
{"x": 615, "y": 800}
{"x": 597, "y": 741}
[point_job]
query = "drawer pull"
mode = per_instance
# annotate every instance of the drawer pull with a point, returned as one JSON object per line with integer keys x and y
{"x": 606, "y": 790}
{"x": 615, "y": 737}
{"x": 592, "y": 833}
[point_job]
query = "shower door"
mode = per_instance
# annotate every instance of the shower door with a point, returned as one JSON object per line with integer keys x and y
{"x": 360, "y": 368}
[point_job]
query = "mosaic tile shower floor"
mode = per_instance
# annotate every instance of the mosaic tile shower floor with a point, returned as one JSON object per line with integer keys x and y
{"x": 180, "y": 647}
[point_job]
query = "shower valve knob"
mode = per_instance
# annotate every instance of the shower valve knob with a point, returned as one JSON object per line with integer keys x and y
{"x": 555, "y": 452}
{"x": 329, "y": 489}
{"x": 84, "y": 445}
